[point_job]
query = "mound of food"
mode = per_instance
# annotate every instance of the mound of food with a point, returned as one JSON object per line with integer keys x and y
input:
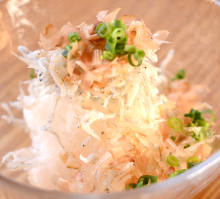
{"x": 101, "y": 117}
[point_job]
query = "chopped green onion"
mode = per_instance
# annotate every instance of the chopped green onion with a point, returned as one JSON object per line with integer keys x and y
{"x": 176, "y": 173}
{"x": 119, "y": 24}
{"x": 68, "y": 48}
{"x": 197, "y": 118}
{"x": 175, "y": 123}
{"x": 145, "y": 178}
{"x": 192, "y": 161}
{"x": 119, "y": 49}
{"x": 186, "y": 146}
{"x": 172, "y": 160}
{"x": 110, "y": 44}
{"x": 130, "y": 49}
{"x": 173, "y": 138}
{"x": 71, "y": 45}
{"x": 119, "y": 35}
{"x": 210, "y": 112}
{"x": 142, "y": 181}
{"x": 139, "y": 54}
{"x": 103, "y": 30}
{"x": 65, "y": 53}
{"x": 153, "y": 179}
{"x": 110, "y": 25}
{"x": 195, "y": 115}
{"x": 32, "y": 74}
{"x": 201, "y": 134}
{"x": 179, "y": 75}
{"x": 131, "y": 62}
{"x": 74, "y": 36}
{"x": 140, "y": 184}
{"x": 202, "y": 124}
{"x": 132, "y": 185}
{"x": 198, "y": 136}
{"x": 107, "y": 55}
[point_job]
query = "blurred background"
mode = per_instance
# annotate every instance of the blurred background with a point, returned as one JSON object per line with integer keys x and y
{"x": 194, "y": 27}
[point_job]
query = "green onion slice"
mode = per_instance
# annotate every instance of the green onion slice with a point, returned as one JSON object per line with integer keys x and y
{"x": 110, "y": 44}
{"x": 143, "y": 181}
{"x": 103, "y": 30}
{"x": 65, "y": 53}
{"x": 119, "y": 24}
{"x": 153, "y": 179}
{"x": 130, "y": 49}
{"x": 175, "y": 123}
{"x": 201, "y": 133}
{"x": 179, "y": 75}
{"x": 139, "y": 54}
{"x": 74, "y": 36}
{"x": 131, "y": 62}
{"x": 119, "y": 35}
{"x": 107, "y": 55}
{"x": 173, "y": 138}
{"x": 202, "y": 124}
{"x": 192, "y": 161}
{"x": 110, "y": 25}
{"x": 186, "y": 146}
{"x": 172, "y": 160}
{"x": 71, "y": 45}
{"x": 195, "y": 115}
{"x": 210, "y": 112}
{"x": 176, "y": 173}
{"x": 119, "y": 49}
{"x": 146, "y": 178}
{"x": 68, "y": 48}
{"x": 198, "y": 136}
{"x": 197, "y": 118}
{"x": 132, "y": 185}
{"x": 140, "y": 184}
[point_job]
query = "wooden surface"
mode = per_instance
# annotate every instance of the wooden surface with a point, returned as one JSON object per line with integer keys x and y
{"x": 194, "y": 27}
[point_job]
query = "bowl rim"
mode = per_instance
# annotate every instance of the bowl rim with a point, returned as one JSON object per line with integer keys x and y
{"x": 166, "y": 184}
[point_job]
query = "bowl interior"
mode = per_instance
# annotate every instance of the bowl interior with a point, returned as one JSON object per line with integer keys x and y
{"x": 194, "y": 35}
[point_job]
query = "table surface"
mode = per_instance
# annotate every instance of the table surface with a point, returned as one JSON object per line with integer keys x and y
{"x": 12, "y": 21}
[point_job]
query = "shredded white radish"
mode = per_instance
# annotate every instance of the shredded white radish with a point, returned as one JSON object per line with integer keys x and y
{"x": 92, "y": 116}
{"x": 53, "y": 108}
{"x": 47, "y": 128}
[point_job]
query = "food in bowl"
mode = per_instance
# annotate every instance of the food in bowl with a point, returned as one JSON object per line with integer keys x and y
{"x": 101, "y": 117}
